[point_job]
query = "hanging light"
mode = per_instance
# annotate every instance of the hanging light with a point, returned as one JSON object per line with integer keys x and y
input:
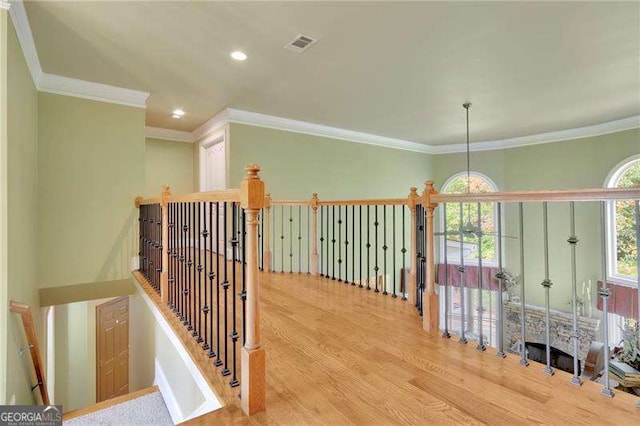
{"x": 469, "y": 228}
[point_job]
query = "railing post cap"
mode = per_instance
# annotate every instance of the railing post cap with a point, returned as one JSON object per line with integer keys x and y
{"x": 252, "y": 172}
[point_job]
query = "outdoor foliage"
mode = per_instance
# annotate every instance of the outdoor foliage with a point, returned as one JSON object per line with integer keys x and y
{"x": 470, "y": 216}
{"x": 627, "y": 250}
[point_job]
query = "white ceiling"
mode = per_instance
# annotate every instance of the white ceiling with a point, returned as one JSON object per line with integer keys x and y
{"x": 400, "y": 70}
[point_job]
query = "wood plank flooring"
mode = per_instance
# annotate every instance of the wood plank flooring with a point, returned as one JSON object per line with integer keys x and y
{"x": 338, "y": 354}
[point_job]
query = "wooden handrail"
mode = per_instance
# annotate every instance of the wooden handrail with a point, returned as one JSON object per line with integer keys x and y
{"x": 597, "y": 194}
{"x": 32, "y": 340}
{"x": 229, "y": 195}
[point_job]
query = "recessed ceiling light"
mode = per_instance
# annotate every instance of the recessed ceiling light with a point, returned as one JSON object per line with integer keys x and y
{"x": 238, "y": 55}
{"x": 177, "y": 114}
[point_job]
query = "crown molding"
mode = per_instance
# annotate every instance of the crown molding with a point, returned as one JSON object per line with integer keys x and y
{"x": 211, "y": 125}
{"x": 168, "y": 134}
{"x": 5, "y": 5}
{"x": 544, "y": 138}
{"x": 52, "y": 83}
{"x": 279, "y": 123}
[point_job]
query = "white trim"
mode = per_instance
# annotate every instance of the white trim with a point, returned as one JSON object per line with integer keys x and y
{"x": 213, "y": 124}
{"x": 543, "y": 138}
{"x": 52, "y": 83}
{"x": 169, "y": 398}
{"x": 5, "y": 5}
{"x": 610, "y": 225}
{"x": 168, "y": 134}
{"x": 280, "y": 123}
{"x": 25, "y": 37}
{"x": 195, "y": 373}
{"x": 60, "y": 85}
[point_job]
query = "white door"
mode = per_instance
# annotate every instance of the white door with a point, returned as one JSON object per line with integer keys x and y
{"x": 213, "y": 163}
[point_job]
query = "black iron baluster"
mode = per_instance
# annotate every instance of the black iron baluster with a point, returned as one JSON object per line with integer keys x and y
{"x": 161, "y": 247}
{"x": 333, "y": 242}
{"x": 360, "y": 240}
{"x": 299, "y": 239}
{"x": 308, "y": 239}
{"x": 346, "y": 244}
{"x": 384, "y": 249}
{"x": 205, "y": 306}
{"x": 185, "y": 246}
{"x": 218, "y": 361}
{"x": 192, "y": 266}
{"x": 234, "y": 334}
{"x": 368, "y": 250}
{"x": 339, "y": 244}
{"x": 211, "y": 275}
{"x": 225, "y": 287}
{"x": 326, "y": 214}
{"x": 404, "y": 257}
{"x": 393, "y": 250}
{"x": 198, "y": 270}
{"x": 375, "y": 230}
{"x": 290, "y": 239}
{"x": 353, "y": 244}
{"x": 243, "y": 294}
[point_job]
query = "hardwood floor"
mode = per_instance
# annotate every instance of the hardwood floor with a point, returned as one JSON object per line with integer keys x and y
{"x": 338, "y": 354}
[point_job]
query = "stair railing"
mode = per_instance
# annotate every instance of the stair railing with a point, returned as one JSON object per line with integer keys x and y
{"x": 199, "y": 252}
{"x": 24, "y": 311}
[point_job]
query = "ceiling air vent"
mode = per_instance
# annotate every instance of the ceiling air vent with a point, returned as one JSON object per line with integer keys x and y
{"x": 300, "y": 43}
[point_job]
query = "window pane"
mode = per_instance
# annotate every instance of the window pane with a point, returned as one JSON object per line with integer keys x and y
{"x": 626, "y": 247}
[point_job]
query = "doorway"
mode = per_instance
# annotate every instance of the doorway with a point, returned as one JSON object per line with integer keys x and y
{"x": 112, "y": 349}
{"x": 213, "y": 162}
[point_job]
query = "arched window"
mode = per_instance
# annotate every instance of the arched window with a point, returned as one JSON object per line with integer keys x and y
{"x": 621, "y": 233}
{"x": 478, "y": 183}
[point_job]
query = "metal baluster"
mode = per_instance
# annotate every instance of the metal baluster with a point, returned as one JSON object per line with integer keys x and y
{"x": 481, "y": 346}
{"x": 218, "y": 361}
{"x": 605, "y": 293}
{"x": 273, "y": 234}
{"x": 290, "y": 239}
{"x": 346, "y": 244}
{"x": 309, "y": 240}
{"x": 225, "y": 287}
{"x": 463, "y": 279}
{"x": 211, "y": 275}
{"x": 546, "y": 283}
{"x": 500, "y": 277}
{"x": 187, "y": 272}
{"x": 353, "y": 245}
{"x": 205, "y": 306}
{"x": 573, "y": 241}
{"x": 281, "y": 238}
{"x": 198, "y": 296}
{"x": 360, "y": 240}
{"x": 193, "y": 266}
{"x": 404, "y": 257}
{"x": 299, "y": 239}
{"x": 445, "y": 333}
{"x": 384, "y": 249}
{"x": 339, "y": 243}
{"x": 368, "y": 252}
{"x": 333, "y": 242}
{"x": 234, "y": 333}
{"x": 243, "y": 294}
{"x": 182, "y": 259}
{"x": 393, "y": 251}
{"x": 523, "y": 348}
{"x": 327, "y": 242}
{"x": 321, "y": 240}
{"x": 375, "y": 252}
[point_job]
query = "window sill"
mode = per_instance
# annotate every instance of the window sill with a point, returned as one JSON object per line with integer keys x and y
{"x": 623, "y": 280}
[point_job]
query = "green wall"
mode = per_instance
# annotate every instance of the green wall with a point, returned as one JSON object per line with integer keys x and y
{"x": 581, "y": 163}
{"x": 170, "y": 163}
{"x": 22, "y": 196}
{"x": 295, "y": 165}
{"x": 4, "y": 301}
{"x": 91, "y": 167}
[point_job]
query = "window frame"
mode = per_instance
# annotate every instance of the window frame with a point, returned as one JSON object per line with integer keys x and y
{"x": 441, "y": 222}
{"x": 610, "y": 224}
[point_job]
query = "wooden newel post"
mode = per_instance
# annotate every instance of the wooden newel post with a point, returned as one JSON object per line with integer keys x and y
{"x": 314, "y": 235}
{"x": 412, "y": 201}
{"x": 431, "y": 315}
{"x": 266, "y": 233}
{"x": 164, "y": 274}
{"x": 253, "y": 387}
